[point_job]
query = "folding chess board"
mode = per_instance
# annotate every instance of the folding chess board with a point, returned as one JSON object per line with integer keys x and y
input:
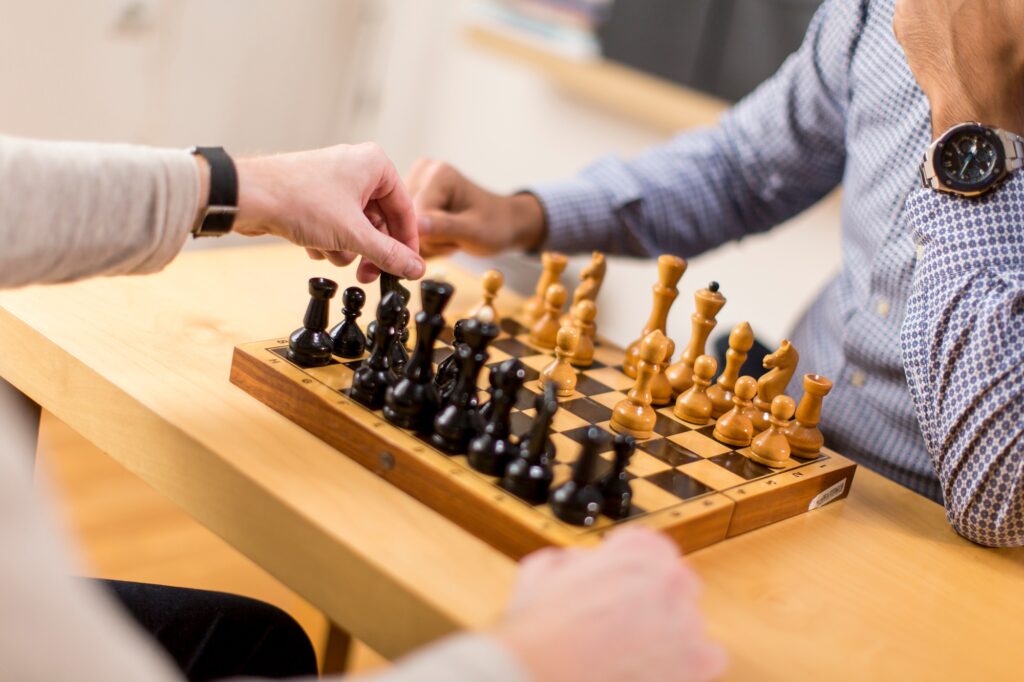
{"x": 684, "y": 482}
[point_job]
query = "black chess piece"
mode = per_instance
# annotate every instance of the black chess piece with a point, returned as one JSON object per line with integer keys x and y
{"x": 311, "y": 346}
{"x": 414, "y": 400}
{"x": 448, "y": 369}
{"x": 546, "y": 405}
{"x": 457, "y": 422}
{"x": 492, "y": 450}
{"x": 371, "y": 380}
{"x": 485, "y": 409}
{"x": 349, "y": 340}
{"x": 578, "y": 501}
{"x": 392, "y": 283}
{"x": 615, "y": 487}
{"x": 529, "y": 475}
{"x": 399, "y": 353}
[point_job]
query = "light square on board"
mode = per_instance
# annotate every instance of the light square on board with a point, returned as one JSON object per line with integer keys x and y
{"x": 611, "y": 377}
{"x": 651, "y": 497}
{"x": 700, "y": 444}
{"x": 566, "y": 449}
{"x": 711, "y": 474}
{"x": 536, "y": 362}
{"x": 643, "y": 464}
{"x": 607, "y": 355}
{"x": 609, "y": 400}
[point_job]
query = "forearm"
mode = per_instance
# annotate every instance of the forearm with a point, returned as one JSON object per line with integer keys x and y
{"x": 772, "y": 155}
{"x": 963, "y": 346}
{"x": 72, "y": 210}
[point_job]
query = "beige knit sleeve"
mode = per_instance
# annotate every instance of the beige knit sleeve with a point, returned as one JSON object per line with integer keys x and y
{"x": 70, "y": 210}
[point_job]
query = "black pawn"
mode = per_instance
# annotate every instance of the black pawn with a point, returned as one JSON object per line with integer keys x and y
{"x": 540, "y": 435}
{"x": 448, "y": 369}
{"x": 491, "y": 451}
{"x": 529, "y": 475}
{"x": 371, "y": 380}
{"x": 399, "y": 353}
{"x": 413, "y": 401}
{"x": 578, "y": 501}
{"x": 615, "y": 488}
{"x": 457, "y": 422}
{"x": 311, "y": 346}
{"x": 349, "y": 340}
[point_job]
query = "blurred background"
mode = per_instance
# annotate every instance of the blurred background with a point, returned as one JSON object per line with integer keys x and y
{"x": 509, "y": 91}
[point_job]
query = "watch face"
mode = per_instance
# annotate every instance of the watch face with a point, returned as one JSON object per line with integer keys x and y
{"x": 970, "y": 158}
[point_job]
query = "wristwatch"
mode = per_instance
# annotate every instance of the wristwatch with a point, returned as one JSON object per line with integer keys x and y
{"x": 218, "y": 217}
{"x": 971, "y": 159}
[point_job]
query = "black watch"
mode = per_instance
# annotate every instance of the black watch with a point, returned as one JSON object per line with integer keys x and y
{"x": 971, "y": 159}
{"x": 218, "y": 217}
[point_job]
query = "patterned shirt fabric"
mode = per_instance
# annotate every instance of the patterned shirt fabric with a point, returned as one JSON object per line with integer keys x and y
{"x": 921, "y": 331}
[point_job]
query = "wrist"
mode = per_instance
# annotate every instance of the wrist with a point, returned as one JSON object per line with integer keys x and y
{"x": 528, "y": 220}
{"x": 1003, "y": 116}
{"x": 258, "y": 204}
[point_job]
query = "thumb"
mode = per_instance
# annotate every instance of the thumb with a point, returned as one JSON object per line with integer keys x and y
{"x": 439, "y": 226}
{"x": 389, "y": 254}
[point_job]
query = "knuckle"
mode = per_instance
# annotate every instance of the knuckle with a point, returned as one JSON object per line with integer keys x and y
{"x": 391, "y": 255}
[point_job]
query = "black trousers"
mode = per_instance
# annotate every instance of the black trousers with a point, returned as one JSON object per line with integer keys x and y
{"x": 212, "y": 635}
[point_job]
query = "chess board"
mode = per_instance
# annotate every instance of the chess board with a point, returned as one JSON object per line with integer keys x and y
{"x": 684, "y": 482}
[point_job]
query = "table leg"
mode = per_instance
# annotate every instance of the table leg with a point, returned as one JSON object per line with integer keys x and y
{"x": 25, "y": 414}
{"x": 336, "y": 653}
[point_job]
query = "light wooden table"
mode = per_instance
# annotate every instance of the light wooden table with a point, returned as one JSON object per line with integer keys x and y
{"x": 874, "y": 587}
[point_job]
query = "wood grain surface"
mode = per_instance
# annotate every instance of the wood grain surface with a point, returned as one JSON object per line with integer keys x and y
{"x": 877, "y": 587}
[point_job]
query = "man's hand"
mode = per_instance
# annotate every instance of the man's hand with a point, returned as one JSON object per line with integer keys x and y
{"x": 455, "y": 213}
{"x": 624, "y": 611}
{"x": 968, "y": 57}
{"x": 339, "y": 202}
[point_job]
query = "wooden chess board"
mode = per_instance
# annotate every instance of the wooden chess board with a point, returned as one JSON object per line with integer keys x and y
{"x": 684, "y": 482}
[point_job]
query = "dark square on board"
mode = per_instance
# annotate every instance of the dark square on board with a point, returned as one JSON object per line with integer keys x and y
{"x": 520, "y": 424}
{"x": 588, "y": 386}
{"x": 579, "y": 436}
{"x": 741, "y": 465}
{"x": 513, "y": 347}
{"x": 665, "y": 426}
{"x": 671, "y": 453}
{"x": 510, "y": 326}
{"x": 679, "y": 484}
{"x": 585, "y": 408}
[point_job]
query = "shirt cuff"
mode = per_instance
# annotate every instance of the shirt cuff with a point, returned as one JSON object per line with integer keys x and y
{"x": 462, "y": 658}
{"x": 583, "y": 213}
{"x": 957, "y": 234}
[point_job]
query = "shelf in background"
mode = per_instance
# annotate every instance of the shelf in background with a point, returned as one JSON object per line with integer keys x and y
{"x": 646, "y": 99}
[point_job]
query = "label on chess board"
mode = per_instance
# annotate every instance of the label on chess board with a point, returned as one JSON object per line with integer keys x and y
{"x": 826, "y": 496}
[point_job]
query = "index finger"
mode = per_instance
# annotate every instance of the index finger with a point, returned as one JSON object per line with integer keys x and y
{"x": 396, "y": 205}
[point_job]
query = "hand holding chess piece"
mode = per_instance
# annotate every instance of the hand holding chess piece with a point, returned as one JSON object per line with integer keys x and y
{"x": 694, "y": 405}
{"x": 741, "y": 340}
{"x": 735, "y": 427}
{"x": 670, "y": 270}
{"x": 492, "y": 282}
{"x": 771, "y": 447}
{"x": 634, "y": 415}
{"x": 553, "y": 265}
{"x": 805, "y": 438}
{"x": 560, "y": 372}
{"x": 545, "y": 330}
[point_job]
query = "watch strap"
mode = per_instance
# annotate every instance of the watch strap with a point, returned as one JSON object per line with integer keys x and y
{"x": 218, "y": 217}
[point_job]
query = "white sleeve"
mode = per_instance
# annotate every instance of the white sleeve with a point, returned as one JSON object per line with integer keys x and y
{"x": 70, "y": 210}
{"x": 54, "y": 626}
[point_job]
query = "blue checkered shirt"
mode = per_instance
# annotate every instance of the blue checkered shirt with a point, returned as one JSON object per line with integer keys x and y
{"x": 922, "y": 329}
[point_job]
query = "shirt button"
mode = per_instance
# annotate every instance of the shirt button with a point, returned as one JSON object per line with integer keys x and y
{"x": 858, "y": 378}
{"x": 883, "y": 307}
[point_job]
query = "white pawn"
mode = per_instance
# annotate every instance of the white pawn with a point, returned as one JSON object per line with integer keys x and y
{"x": 560, "y": 372}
